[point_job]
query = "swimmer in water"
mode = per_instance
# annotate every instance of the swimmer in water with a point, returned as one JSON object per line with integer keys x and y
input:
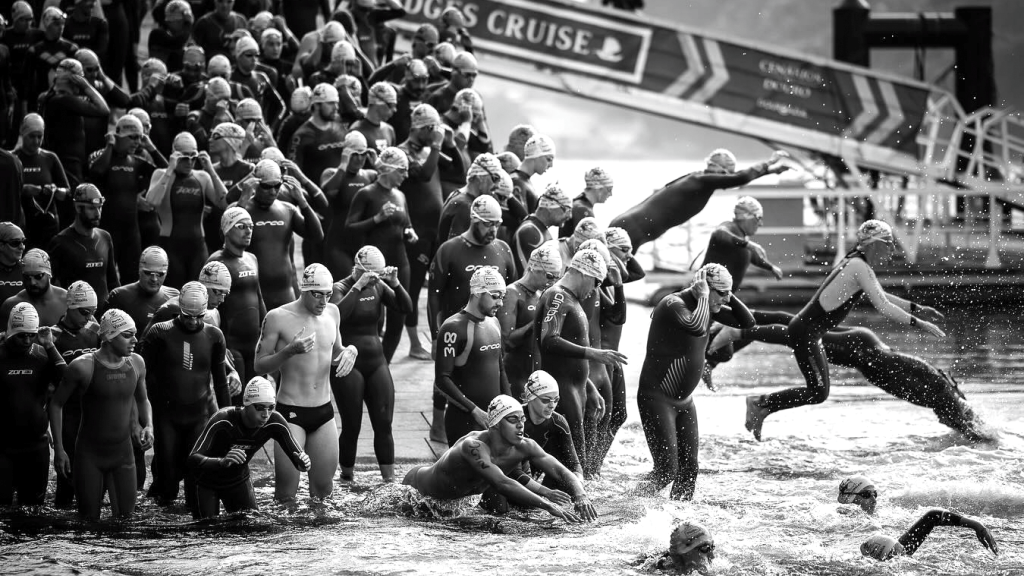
{"x": 493, "y": 458}
{"x": 882, "y": 547}
{"x": 859, "y": 490}
{"x": 690, "y": 549}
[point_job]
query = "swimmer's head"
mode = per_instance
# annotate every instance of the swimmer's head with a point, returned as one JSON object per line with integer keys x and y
{"x": 721, "y": 161}
{"x": 81, "y": 295}
{"x": 153, "y": 264}
{"x": 187, "y": 150}
{"x": 591, "y": 264}
{"x": 301, "y": 100}
{"x": 720, "y": 284}
{"x": 268, "y": 173}
{"x": 259, "y": 399}
{"x": 370, "y": 259}
{"x": 485, "y": 218}
{"x": 217, "y": 279}
{"x": 219, "y": 67}
{"x": 354, "y": 145}
{"x": 545, "y": 259}
{"x": 248, "y": 110}
{"x": 332, "y": 32}
{"x": 598, "y": 245}
{"x": 464, "y": 70}
{"x": 423, "y": 120}
{"x": 509, "y": 161}
{"x": 748, "y": 214}
{"x": 518, "y": 138}
{"x": 247, "y": 50}
{"x": 541, "y": 394}
{"x": 484, "y": 172}
{"x": 599, "y": 183}
{"x": 129, "y": 131}
{"x": 881, "y": 547}
{"x": 618, "y": 239}
{"x": 392, "y": 167}
{"x": 273, "y": 153}
{"x": 586, "y": 229}
{"x": 555, "y": 199}
{"x": 691, "y": 548}
{"x": 272, "y": 43}
{"x": 36, "y": 261}
{"x": 875, "y": 240}
{"x": 317, "y": 286}
{"x": 227, "y": 137}
{"x": 445, "y": 53}
{"x": 326, "y": 97}
{"x": 118, "y": 329}
{"x": 193, "y": 302}
{"x": 383, "y": 94}
{"x": 236, "y": 225}
{"x": 540, "y": 151}
{"x": 502, "y": 407}
{"x": 23, "y": 320}
{"x": 425, "y": 40}
{"x": 859, "y": 490}
{"x": 349, "y": 85}
{"x": 488, "y": 287}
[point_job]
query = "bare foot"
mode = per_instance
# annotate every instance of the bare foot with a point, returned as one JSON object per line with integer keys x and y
{"x": 755, "y": 416}
{"x": 438, "y": 436}
{"x": 419, "y": 354}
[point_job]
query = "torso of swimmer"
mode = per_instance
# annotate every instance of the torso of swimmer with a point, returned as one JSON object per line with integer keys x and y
{"x": 304, "y": 376}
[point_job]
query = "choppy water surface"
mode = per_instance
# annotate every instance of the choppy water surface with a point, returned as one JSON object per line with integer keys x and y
{"x": 770, "y": 505}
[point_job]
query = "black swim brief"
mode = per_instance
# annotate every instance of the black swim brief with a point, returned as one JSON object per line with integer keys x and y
{"x": 308, "y": 418}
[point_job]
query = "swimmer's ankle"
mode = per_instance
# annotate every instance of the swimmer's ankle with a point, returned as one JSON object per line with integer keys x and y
{"x": 387, "y": 473}
{"x": 348, "y": 473}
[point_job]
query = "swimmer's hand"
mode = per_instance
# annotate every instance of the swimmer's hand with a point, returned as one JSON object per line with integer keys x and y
{"x": 563, "y": 514}
{"x": 929, "y": 313}
{"x": 595, "y": 405}
{"x": 61, "y": 463}
{"x": 558, "y": 497}
{"x": 303, "y": 459}
{"x": 386, "y": 211}
{"x": 480, "y": 417}
{"x": 777, "y": 272}
{"x": 609, "y": 357}
{"x": 45, "y": 336}
{"x": 145, "y": 438}
{"x": 411, "y": 236}
{"x": 584, "y": 508}
{"x": 700, "y": 284}
{"x": 983, "y": 534}
{"x": 931, "y": 328}
{"x": 300, "y": 345}
{"x": 390, "y": 276}
{"x": 345, "y": 360}
{"x": 774, "y": 163}
{"x": 366, "y": 279}
{"x": 234, "y": 384}
{"x": 235, "y": 456}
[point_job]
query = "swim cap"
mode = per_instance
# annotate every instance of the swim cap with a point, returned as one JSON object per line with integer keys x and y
{"x": 349, "y": 84}
{"x": 452, "y": 16}
{"x": 464, "y": 60}
{"x": 418, "y": 69}
{"x": 261, "y": 21}
{"x": 546, "y": 259}
{"x": 332, "y": 32}
{"x": 485, "y": 209}
{"x": 540, "y": 383}
{"x": 129, "y": 125}
{"x": 216, "y": 276}
{"x": 424, "y": 115}
{"x": 32, "y": 123}
{"x": 617, "y": 237}
{"x": 246, "y": 44}
{"x": 268, "y": 172}
{"x": 500, "y": 407}
{"x": 193, "y": 298}
{"x": 852, "y": 486}
{"x": 233, "y": 133}
{"x": 249, "y": 109}
{"x": 598, "y": 246}
{"x": 23, "y": 319}
{"x": 554, "y": 197}
{"x": 185, "y": 143}
{"x": 427, "y": 32}
{"x": 87, "y": 194}
{"x": 382, "y": 93}
{"x": 587, "y": 229}
{"x": 274, "y": 154}
{"x": 302, "y": 99}
{"x": 114, "y": 322}
{"x": 486, "y": 279}
{"x": 153, "y": 259}
{"x": 881, "y": 547}
{"x": 503, "y": 187}
{"x": 688, "y": 536}
{"x": 219, "y": 88}
{"x": 259, "y": 390}
{"x": 219, "y": 66}
{"x": 324, "y": 93}
{"x": 370, "y": 259}
{"x": 392, "y": 159}
{"x": 87, "y": 57}
{"x": 598, "y": 178}
{"x": 232, "y": 216}
{"x": 537, "y": 146}
{"x": 485, "y": 164}
{"x": 874, "y": 231}
{"x": 21, "y": 9}
{"x": 69, "y": 67}
{"x": 10, "y": 231}
{"x": 177, "y": 10}
{"x": 316, "y": 277}
{"x": 343, "y": 51}
{"x": 509, "y": 161}
{"x": 518, "y": 138}
{"x": 721, "y": 161}
{"x": 51, "y": 14}
{"x": 471, "y": 98}
{"x": 747, "y": 207}
{"x": 143, "y": 117}
{"x": 269, "y": 34}
{"x": 445, "y": 53}
{"x": 354, "y": 143}
{"x": 589, "y": 263}
{"x": 35, "y": 261}
{"x": 718, "y": 277}
{"x": 81, "y": 295}
{"x": 154, "y": 66}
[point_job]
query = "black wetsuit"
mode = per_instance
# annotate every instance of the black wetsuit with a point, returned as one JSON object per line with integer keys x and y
{"x": 88, "y": 258}
{"x": 242, "y": 312}
{"x": 71, "y": 344}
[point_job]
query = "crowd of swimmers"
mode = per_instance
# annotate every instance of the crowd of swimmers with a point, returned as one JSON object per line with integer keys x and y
{"x": 150, "y": 299}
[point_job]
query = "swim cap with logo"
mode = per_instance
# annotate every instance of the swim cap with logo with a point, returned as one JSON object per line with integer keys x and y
{"x": 259, "y": 390}
{"x": 194, "y": 298}
{"x": 332, "y": 32}
{"x": 424, "y": 115}
{"x": 233, "y": 133}
{"x": 69, "y": 67}
{"x": 718, "y": 277}
{"x": 617, "y": 237}
{"x": 688, "y": 536}
{"x": 246, "y": 44}
{"x": 852, "y": 486}
{"x": 747, "y": 207}
{"x": 418, "y": 69}
{"x": 554, "y": 197}
{"x": 589, "y": 263}
{"x": 129, "y": 125}
{"x": 23, "y": 319}
{"x": 546, "y": 258}
{"x": 316, "y": 277}
{"x": 302, "y": 99}
{"x": 51, "y": 14}
{"x": 587, "y": 229}
{"x": 177, "y": 10}
{"x": 219, "y": 88}
{"x": 874, "y": 231}
{"x": 268, "y": 172}
{"x": 261, "y": 21}
{"x": 881, "y": 547}
{"x": 720, "y": 161}
{"x": 485, "y": 164}
{"x": 540, "y": 383}
{"x": 249, "y": 109}
{"x": 232, "y": 216}
{"x": 598, "y": 246}
{"x": 509, "y": 161}
{"x": 485, "y": 209}
{"x": 153, "y": 259}
{"x": 35, "y": 261}
{"x": 87, "y": 194}
{"x": 114, "y": 322}
{"x": 382, "y": 93}
{"x": 354, "y": 143}
{"x": 273, "y": 153}
{"x": 32, "y": 123}
{"x": 471, "y": 98}
{"x": 370, "y": 259}
{"x": 538, "y": 146}
{"x": 324, "y": 93}
{"x": 486, "y": 279}
{"x": 392, "y": 159}
{"x": 10, "y": 231}
{"x": 503, "y": 187}
{"x": 445, "y": 53}
{"x": 500, "y": 407}
{"x": 343, "y": 51}
{"x": 154, "y": 66}
{"x": 185, "y": 143}
{"x": 81, "y": 295}
{"x": 216, "y": 276}
{"x": 598, "y": 178}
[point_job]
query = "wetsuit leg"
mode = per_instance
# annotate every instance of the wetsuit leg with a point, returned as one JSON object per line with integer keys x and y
{"x": 127, "y": 243}
{"x": 659, "y": 423}
{"x": 380, "y": 405}
{"x": 615, "y": 415}
{"x": 348, "y": 393}
{"x": 395, "y": 323}
{"x": 597, "y": 430}
{"x": 810, "y": 357}
{"x": 572, "y": 402}
{"x": 420, "y": 255}
{"x": 163, "y": 450}
{"x": 25, "y": 473}
{"x": 205, "y": 502}
{"x": 244, "y": 372}
{"x": 241, "y": 497}
{"x": 338, "y": 260}
{"x": 688, "y": 442}
{"x": 64, "y": 494}
{"x": 139, "y": 457}
{"x": 185, "y": 259}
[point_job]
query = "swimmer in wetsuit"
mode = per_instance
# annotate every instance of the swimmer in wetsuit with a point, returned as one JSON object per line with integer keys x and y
{"x": 49, "y": 301}
{"x": 142, "y": 298}
{"x": 182, "y": 356}
{"x": 482, "y": 176}
{"x": 548, "y": 428}
{"x": 302, "y": 340}
{"x": 841, "y": 290}
{"x": 361, "y": 299}
{"x": 561, "y": 330}
{"x": 84, "y": 251}
{"x": 30, "y": 371}
{"x": 517, "y": 314}
{"x": 469, "y": 369}
{"x": 111, "y": 382}
{"x": 683, "y": 198}
{"x": 552, "y": 210}
{"x": 598, "y": 190}
{"x": 340, "y": 186}
{"x": 671, "y": 371}
{"x": 538, "y": 158}
{"x": 382, "y": 101}
{"x": 882, "y": 548}
{"x": 12, "y": 246}
{"x": 219, "y": 462}
{"x": 493, "y": 459}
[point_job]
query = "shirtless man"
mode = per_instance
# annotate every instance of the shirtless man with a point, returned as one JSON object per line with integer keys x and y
{"x": 111, "y": 382}
{"x": 302, "y": 340}
{"x": 493, "y": 459}
{"x": 49, "y": 301}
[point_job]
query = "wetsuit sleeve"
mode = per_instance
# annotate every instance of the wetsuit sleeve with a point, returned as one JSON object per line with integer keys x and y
{"x": 634, "y": 271}
{"x": 56, "y": 366}
{"x": 741, "y": 178}
{"x": 150, "y": 348}
{"x": 512, "y": 338}
{"x": 112, "y": 279}
{"x": 278, "y": 430}
{"x": 550, "y": 340}
{"x": 202, "y": 453}
{"x": 694, "y": 322}
{"x": 116, "y": 97}
{"x": 451, "y": 344}
{"x": 357, "y": 219}
{"x": 396, "y": 298}
{"x": 560, "y": 444}
{"x": 218, "y": 369}
{"x": 438, "y": 278}
{"x": 614, "y": 310}
{"x": 79, "y": 106}
{"x": 736, "y": 314}
{"x": 425, "y": 171}
{"x": 528, "y": 238}
{"x": 868, "y": 282}
{"x": 724, "y": 236}
{"x": 918, "y": 533}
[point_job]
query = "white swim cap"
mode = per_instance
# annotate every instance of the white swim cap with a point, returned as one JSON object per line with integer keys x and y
{"x": 546, "y": 259}
{"x": 370, "y": 259}
{"x": 114, "y": 322}
{"x": 324, "y": 93}
{"x": 269, "y": 34}
{"x": 874, "y": 231}
{"x": 721, "y": 161}
{"x": 471, "y": 98}
{"x": 383, "y": 93}
{"x": 302, "y": 99}
{"x": 81, "y": 295}
{"x": 485, "y": 209}
{"x": 153, "y": 259}
{"x": 392, "y": 159}
{"x": 598, "y": 178}
{"x": 617, "y": 237}
{"x": 143, "y": 116}
{"x": 259, "y": 390}
{"x": 852, "y": 486}
{"x": 185, "y": 143}
{"x": 246, "y": 44}
{"x": 332, "y": 32}
{"x": 249, "y": 109}
{"x": 11, "y": 231}
{"x": 35, "y": 261}
{"x": 268, "y": 172}
{"x": 128, "y": 125}
{"x": 219, "y": 66}
{"x": 554, "y": 197}
{"x": 343, "y": 51}
{"x": 537, "y": 146}
{"x": 881, "y": 547}
{"x": 233, "y": 133}
{"x": 598, "y": 246}
{"x": 215, "y": 275}
{"x": 32, "y": 122}
{"x": 486, "y": 165}
{"x": 718, "y": 277}
{"x": 688, "y": 536}
{"x": 589, "y": 263}
{"x": 540, "y": 383}
{"x": 273, "y": 153}
{"x": 747, "y": 207}
{"x": 232, "y": 216}
{"x": 194, "y": 298}
{"x": 486, "y": 279}
{"x": 500, "y": 407}
{"x": 316, "y": 277}
{"x": 424, "y": 115}
{"x": 587, "y": 229}
{"x": 23, "y": 319}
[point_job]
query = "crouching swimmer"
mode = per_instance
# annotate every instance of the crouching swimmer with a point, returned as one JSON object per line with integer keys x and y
{"x": 219, "y": 462}
{"x": 493, "y": 459}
